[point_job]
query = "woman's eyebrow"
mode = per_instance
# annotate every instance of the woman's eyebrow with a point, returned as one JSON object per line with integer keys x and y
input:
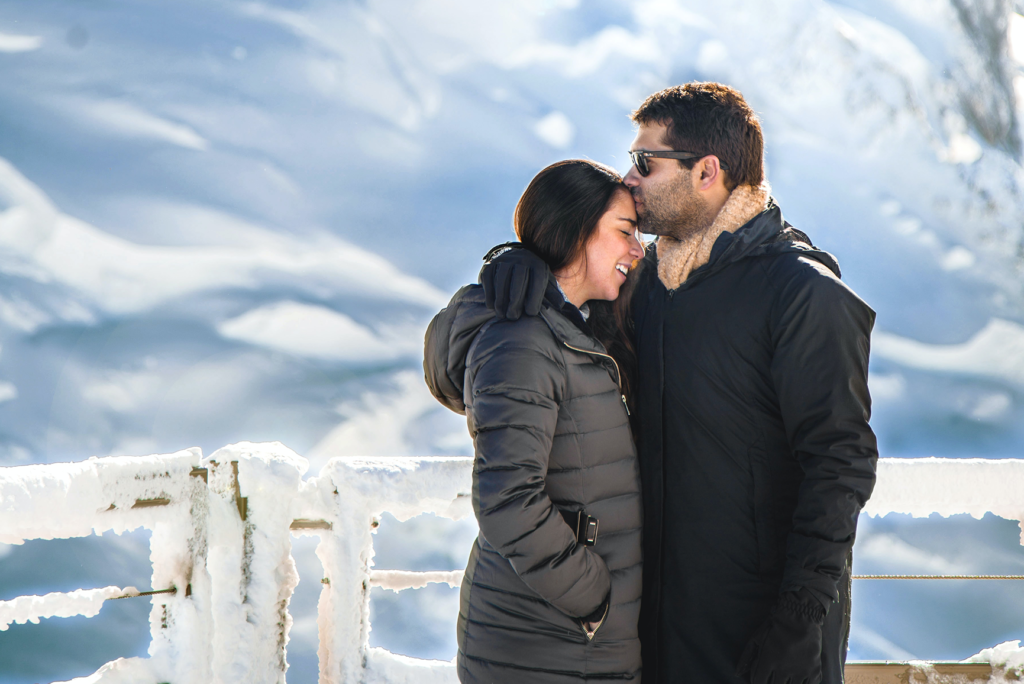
{"x": 631, "y": 221}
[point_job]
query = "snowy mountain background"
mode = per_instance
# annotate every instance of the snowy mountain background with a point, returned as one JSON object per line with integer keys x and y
{"x": 225, "y": 221}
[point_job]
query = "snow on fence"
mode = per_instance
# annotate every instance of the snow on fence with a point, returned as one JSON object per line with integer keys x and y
{"x": 220, "y": 537}
{"x": 220, "y": 545}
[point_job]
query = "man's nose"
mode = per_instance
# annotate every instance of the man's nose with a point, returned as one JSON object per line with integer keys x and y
{"x": 632, "y": 177}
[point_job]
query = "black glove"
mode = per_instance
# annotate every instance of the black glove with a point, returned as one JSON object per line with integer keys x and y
{"x": 514, "y": 280}
{"x": 786, "y": 649}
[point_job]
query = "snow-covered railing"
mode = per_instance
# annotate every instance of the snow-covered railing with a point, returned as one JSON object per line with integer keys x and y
{"x": 950, "y": 486}
{"x": 220, "y": 539}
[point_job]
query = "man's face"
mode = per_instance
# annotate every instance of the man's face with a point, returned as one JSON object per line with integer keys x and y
{"x": 667, "y": 203}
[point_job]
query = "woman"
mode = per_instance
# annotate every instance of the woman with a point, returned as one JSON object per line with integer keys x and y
{"x": 552, "y": 589}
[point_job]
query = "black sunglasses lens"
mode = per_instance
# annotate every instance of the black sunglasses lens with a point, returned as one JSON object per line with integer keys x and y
{"x": 640, "y": 162}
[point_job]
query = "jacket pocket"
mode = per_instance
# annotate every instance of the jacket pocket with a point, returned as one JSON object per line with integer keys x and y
{"x": 590, "y": 635}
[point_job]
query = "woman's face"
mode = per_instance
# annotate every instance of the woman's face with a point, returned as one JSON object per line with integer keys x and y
{"x": 610, "y": 253}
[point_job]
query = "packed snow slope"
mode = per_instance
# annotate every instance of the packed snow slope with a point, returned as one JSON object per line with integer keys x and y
{"x": 225, "y": 221}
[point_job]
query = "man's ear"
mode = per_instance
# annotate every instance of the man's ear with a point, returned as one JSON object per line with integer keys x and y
{"x": 710, "y": 172}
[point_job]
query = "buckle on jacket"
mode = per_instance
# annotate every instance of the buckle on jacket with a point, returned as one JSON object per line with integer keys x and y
{"x": 584, "y": 526}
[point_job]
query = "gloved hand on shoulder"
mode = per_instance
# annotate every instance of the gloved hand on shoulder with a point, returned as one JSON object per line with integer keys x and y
{"x": 514, "y": 281}
{"x": 786, "y": 648}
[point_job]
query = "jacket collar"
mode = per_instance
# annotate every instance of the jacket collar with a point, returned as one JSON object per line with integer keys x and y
{"x": 566, "y": 322}
{"x": 765, "y": 233}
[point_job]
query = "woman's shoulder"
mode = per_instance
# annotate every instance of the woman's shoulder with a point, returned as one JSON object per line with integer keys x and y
{"x": 523, "y": 354}
{"x": 525, "y": 332}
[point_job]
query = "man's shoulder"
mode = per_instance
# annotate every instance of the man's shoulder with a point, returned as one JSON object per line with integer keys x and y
{"x": 790, "y": 250}
{"x": 800, "y": 279}
{"x": 798, "y": 265}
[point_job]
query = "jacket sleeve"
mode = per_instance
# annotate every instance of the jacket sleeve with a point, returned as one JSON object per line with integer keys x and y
{"x": 821, "y": 333}
{"x": 512, "y": 405}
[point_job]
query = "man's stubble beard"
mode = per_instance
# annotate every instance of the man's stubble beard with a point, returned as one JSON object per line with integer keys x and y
{"x": 674, "y": 209}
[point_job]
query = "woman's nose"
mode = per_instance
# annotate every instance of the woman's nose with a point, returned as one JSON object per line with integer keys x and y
{"x": 636, "y": 249}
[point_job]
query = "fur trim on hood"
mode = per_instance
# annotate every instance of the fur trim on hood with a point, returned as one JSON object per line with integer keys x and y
{"x": 678, "y": 258}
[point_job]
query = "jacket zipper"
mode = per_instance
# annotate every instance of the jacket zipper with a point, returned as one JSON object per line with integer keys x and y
{"x": 618, "y": 373}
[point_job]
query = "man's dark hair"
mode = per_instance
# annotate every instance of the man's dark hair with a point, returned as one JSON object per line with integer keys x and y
{"x": 709, "y": 118}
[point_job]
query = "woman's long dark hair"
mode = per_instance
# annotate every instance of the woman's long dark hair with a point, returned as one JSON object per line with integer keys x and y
{"x": 556, "y": 216}
{"x": 560, "y": 208}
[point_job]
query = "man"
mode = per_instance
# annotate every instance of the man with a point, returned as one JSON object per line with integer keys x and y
{"x": 752, "y": 408}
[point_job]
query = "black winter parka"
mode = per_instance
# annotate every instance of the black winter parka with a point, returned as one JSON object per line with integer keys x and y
{"x": 755, "y": 452}
{"x": 551, "y": 435}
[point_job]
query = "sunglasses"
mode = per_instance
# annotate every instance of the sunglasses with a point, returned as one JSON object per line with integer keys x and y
{"x": 639, "y": 158}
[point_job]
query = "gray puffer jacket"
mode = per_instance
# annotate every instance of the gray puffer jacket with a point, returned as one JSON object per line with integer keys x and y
{"x": 551, "y": 435}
